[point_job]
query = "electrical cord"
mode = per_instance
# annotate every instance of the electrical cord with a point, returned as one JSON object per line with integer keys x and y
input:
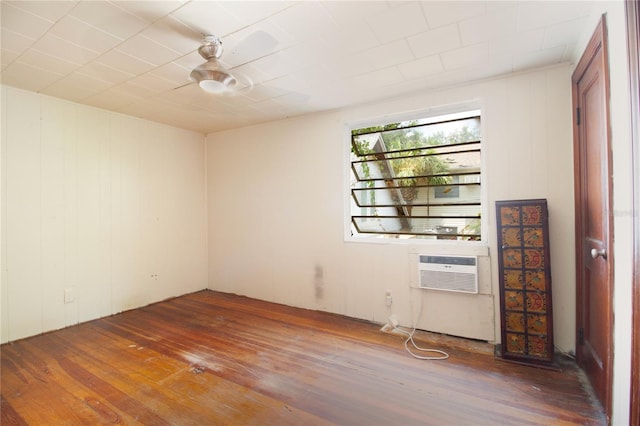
{"x": 442, "y": 354}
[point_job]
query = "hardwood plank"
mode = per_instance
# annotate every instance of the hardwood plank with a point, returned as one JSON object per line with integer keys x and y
{"x": 214, "y": 358}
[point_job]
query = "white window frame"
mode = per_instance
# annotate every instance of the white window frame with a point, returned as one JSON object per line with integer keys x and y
{"x": 434, "y": 113}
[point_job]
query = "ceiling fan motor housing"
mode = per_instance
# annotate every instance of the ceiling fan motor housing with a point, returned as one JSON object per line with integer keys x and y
{"x": 211, "y": 75}
{"x": 211, "y": 48}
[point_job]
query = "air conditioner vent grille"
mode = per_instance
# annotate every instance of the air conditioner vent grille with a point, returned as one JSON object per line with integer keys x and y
{"x": 448, "y": 273}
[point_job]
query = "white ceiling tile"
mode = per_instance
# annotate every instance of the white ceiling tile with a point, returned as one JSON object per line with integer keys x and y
{"x": 492, "y": 5}
{"x": 349, "y": 40}
{"x": 346, "y": 13}
{"x": 151, "y": 83}
{"x": 124, "y": 62}
{"x": 374, "y": 80}
{"x": 244, "y": 47}
{"x": 534, "y": 14}
{"x": 82, "y": 34}
{"x": 106, "y": 73}
{"x": 570, "y": 53}
{"x": 333, "y": 96}
{"x": 421, "y": 67}
{"x": 131, "y": 57}
{"x": 305, "y": 20}
{"x": 522, "y": 42}
{"x": 44, "y": 61}
{"x": 559, "y": 35}
{"x": 286, "y": 83}
{"x": 110, "y": 100}
{"x": 173, "y": 72}
{"x": 447, "y": 78}
{"x": 76, "y": 87}
{"x": 252, "y": 12}
{"x": 147, "y": 10}
{"x": 316, "y": 75}
{"x": 261, "y": 92}
{"x": 134, "y": 90}
{"x": 402, "y": 87}
{"x": 553, "y": 55}
{"x": 221, "y": 105}
{"x": 467, "y": 56}
{"x": 63, "y": 49}
{"x": 435, "y": 41}
{"x": 14, "y": 42}
{"x": 109, "y": 18}
{"x": 183, "y": 95}
{"x": 387, "y": 55}
{"x": 498, "y": 23}
{"x": 173, "y": 34}
{"x": 139, "y": 107}
{"x": 244, "y": 37}
{"x": 208, "y": 17}
{"x": 251, "y": 73}
{"x": 45, "y": 9}
{"x": 314, "y": 51}
{"x": 439, "y": 13}
{"x": 275, "y": 65}
{"x": 413, "y": 85}
{"x": 27, "y": 77}
{"x": 569, "y": 10}
{"x": 294, "y": 101}
{"x": 390, "y": 54}
{"x": 7, "y": 57}
{"x": 398, "y": 22}
{"x": 23, "y": 22}
{"x": 190, "y": 61}
{"x": 494, "y": 67}
{"x": 147, "y": 50}
{"x": 269, "y": 108}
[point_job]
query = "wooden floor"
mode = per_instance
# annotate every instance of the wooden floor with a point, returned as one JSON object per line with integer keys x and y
{"x": 210, "y": 358}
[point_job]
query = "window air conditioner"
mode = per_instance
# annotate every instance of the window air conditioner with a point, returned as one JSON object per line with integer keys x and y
{"x": 448, "y": 273}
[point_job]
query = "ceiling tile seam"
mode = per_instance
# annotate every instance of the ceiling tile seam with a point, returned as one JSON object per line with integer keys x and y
{"x": 229, "y": 34}
{"x": 53, "y": 23}
{"x": 96, "y": 59}
{"x": 144, "y": 18}
{"x": 139, "y": 33}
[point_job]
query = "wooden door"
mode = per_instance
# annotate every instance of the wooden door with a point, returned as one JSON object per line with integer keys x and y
{"x": 633, "y": 33}
{"x": 594, "y": 256}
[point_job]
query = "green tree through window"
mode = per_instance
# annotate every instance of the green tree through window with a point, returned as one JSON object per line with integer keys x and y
{"x": 397, "y": 166}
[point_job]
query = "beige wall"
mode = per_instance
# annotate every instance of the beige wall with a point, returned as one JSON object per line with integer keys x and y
{"x": 114, "y": 208}
{"x": 277, "y": 201}
{"x": 108, "y": 206}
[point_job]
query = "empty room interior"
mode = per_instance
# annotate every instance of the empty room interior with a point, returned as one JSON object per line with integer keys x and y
{"x": 320, "y": 212}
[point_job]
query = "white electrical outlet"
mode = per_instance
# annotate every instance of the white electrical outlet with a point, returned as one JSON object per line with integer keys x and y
{"x": 388, "y": 300}
{"x": 69, "y": 296}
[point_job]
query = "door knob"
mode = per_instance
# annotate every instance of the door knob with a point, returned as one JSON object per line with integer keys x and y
{"x": 595, "y": 253}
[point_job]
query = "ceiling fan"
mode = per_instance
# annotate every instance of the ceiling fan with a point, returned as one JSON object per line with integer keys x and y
{"x": 212, "y": 76}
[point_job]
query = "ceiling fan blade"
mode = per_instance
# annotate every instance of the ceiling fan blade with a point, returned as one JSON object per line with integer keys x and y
{"x": 244, "y": 85}
{"x": 183, "y": 85}
{"x": 254, "y": 46}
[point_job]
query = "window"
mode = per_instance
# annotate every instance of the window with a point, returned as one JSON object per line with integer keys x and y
{"x": 418, "y": 178}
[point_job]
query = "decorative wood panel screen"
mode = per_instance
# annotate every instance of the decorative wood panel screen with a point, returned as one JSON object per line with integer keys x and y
{"x": 525, "y": 281}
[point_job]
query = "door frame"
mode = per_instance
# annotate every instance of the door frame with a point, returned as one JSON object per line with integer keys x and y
{"x": 598, "y": 42}
{"x": 633, "y": 44}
